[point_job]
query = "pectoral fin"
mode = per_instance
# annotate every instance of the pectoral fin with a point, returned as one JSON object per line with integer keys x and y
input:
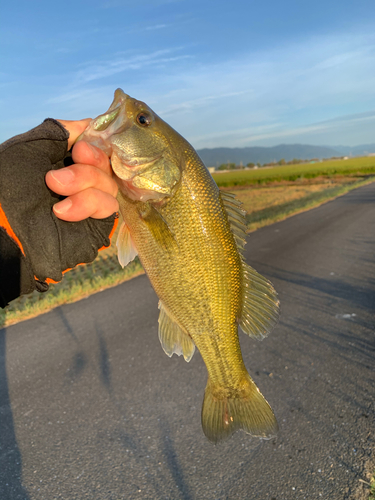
{"x": 159, "y": 228}
{"x": 125, "y": 246}
{"x": 172, "y": 338}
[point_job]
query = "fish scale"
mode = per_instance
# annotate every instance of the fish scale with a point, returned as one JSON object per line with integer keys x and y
{"x": 186, "y": 232}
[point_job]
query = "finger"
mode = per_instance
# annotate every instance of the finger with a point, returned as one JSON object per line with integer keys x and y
{"x": 89, "y": 203}
{"x": 75, "y": 129}
{"x": 70, "y": 180}
{"x": 87, "y": 154}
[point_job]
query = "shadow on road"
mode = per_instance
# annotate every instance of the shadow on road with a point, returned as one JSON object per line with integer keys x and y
{"x": 362, "y": 294}
{"x": 159, "y": 481}
{"x": 80, "y": 360}
{"x": 332, "y": 302}
{"x": 173, "y": 463}
{"x": 10, "y": 457}
{"x": 104, "y": 363}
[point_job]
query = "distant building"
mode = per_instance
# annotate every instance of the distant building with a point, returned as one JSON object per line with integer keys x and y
{"x": 211, "y": 169}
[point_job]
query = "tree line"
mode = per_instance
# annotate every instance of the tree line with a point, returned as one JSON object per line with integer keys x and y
{"x": 234, "y": 166}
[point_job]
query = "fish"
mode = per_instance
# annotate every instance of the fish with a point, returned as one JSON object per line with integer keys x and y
{"x": 190, "y": 237}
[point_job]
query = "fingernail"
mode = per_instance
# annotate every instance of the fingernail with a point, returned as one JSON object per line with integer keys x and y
{"x": 63, "y": 176}
{"x": 63, "y": 206}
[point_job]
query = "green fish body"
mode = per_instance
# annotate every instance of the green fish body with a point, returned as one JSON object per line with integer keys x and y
{"x": 189, "y": 238}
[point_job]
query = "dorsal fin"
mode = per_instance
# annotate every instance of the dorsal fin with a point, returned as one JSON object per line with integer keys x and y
{"x": 125, "y": 246}
{"x": 236, "y": 217}
{"x": 172, "y": 338}
{"x": 260, "y": 305}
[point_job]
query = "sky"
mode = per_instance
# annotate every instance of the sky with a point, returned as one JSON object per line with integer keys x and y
{"x": 223, "y": 73}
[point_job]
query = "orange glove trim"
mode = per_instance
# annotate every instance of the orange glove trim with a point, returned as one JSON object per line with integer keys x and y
{"x": 111, "y": 233}
{"x": 50, "y": 280}
{"x": 5, "y": 224}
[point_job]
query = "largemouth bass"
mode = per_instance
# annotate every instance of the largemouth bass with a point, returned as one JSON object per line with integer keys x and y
{"x": 189, "y": 237}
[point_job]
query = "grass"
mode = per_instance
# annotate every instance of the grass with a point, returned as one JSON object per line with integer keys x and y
{"x": 265, "y": 204}
{"x": 77, "y": 284}
{"x": 372, "y": 488}
{"x": 353, "y": 166}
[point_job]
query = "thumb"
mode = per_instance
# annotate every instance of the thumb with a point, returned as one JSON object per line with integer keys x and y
{"x": 75, "y": 128}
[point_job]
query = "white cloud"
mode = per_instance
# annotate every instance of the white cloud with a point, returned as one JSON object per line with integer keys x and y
{"x": 291, "y": 92}
{"x": 300, "y": 86}
{"x": 315, "y": 133}
{"x": 110, "y": 4}
{"x": 106, "y": 69}
{"x": 156, "y": 27}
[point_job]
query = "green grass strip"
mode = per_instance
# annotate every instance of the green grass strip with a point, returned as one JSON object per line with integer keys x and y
{"x": 78, "y": 283}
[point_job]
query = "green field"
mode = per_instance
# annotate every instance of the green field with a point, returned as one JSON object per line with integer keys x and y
{"x": 264, "y": 175}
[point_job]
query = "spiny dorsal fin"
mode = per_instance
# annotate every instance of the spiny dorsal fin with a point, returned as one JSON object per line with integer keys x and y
{"x": 125, "y": 246}
{"x": 236, "y": 217}
{"x": 260, "y": 305}
{"x": 172, "y": 338}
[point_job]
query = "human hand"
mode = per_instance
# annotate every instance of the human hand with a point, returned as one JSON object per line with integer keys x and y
{"x": 38, "y": 245}
{"x": 88, "y": 183}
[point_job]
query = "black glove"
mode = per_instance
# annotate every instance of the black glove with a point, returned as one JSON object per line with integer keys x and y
{"x": 36, "y": 247}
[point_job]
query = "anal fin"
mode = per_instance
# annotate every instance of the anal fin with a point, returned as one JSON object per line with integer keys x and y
{"x": 172, "y": 338}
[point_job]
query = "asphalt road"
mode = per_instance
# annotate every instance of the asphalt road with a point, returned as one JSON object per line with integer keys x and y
{"x": 91, "y": 407}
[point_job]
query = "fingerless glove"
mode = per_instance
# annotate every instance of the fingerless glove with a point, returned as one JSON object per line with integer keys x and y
{"x": 36, "y": 247}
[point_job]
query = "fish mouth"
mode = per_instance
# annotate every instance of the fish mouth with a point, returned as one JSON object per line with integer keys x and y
{"x": 109, "y": 123}
{"x": 119, "y": 98}
{"x": 114, "y": 120}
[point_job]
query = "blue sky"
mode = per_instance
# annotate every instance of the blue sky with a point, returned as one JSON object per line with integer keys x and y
{"x": 222, "y": 73}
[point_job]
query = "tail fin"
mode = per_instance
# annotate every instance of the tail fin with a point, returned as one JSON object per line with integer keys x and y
{"x": 224, "y": 413}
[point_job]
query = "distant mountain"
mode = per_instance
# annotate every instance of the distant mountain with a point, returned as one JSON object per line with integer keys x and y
{"x": 361, "y": 150}
{"x": 217, "y": 156}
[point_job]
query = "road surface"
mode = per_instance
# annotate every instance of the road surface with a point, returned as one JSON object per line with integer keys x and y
{"x": 91, "y": 407}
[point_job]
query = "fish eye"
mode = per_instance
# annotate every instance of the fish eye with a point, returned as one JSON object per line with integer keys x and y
{"x": 144, "y": 119}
